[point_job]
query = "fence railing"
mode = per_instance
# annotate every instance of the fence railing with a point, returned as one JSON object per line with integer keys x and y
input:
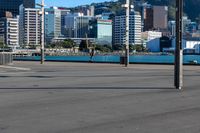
{"x": 6, "y": 58}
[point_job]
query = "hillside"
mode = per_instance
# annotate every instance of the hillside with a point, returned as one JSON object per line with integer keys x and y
{"x": 193, "y": 14}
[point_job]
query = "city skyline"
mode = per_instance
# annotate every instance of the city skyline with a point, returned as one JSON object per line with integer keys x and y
{"x": 85, "y": 22}
{"x": 66, "y": 3}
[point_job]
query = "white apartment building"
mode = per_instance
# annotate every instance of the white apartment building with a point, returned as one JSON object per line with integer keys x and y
{"x": 10, "y": 31}
{"x": 30, "y": 26}
{"x": 150, "y": 35}
{"x": 135, "y": 28}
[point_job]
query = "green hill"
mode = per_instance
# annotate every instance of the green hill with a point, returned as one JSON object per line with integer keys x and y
{"x": 191, "y": 7}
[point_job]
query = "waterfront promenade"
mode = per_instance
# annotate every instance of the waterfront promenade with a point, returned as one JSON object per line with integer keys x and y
{"x": 97, "y": 98}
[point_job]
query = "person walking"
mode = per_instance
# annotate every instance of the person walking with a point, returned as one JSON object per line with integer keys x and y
{"x": 92, "y": 55}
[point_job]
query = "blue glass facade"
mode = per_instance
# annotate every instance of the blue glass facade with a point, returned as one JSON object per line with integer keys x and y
{"x": 104, "y": 31}
{"x": 52, "y": 23}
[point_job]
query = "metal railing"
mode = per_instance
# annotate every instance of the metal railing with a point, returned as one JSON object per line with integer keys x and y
{"x": 6, "y": 58}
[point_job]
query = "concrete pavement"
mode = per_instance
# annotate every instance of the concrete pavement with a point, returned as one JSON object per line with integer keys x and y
{"x": 97, "y": 98}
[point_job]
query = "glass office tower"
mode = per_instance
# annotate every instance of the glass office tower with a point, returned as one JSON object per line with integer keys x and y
{"x": 13, "y": 6}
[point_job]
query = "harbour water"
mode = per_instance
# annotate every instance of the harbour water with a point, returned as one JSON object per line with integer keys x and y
{"x": 157, "y": 59}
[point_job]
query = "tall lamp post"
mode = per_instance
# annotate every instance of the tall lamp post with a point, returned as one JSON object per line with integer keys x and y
{"x": 127, "y": 6}
{"x": 42, "y": 32}
{"x": 178, "y": 73}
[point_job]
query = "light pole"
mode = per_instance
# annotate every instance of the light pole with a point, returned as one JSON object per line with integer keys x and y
{"x": 178, "y": 71}
{"x": 42, "y": 32}
{"x": 127, "y": 6}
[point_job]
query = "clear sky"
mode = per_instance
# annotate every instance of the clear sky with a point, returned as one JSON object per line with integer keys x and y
{"x": 69, "y": 3}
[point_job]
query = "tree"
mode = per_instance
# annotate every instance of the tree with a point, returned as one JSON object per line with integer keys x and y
{"x": 118, "y": 47}
{"x": 56, "y": 45}
{"x": 83, "y": 45}
{"x": 138, "y": 48}
{"x": 1, "y": 43}
{"x": 68, "y": 43}
{"x": 103, "y": 48}
{"x": 131, "y": 48}
{"x": 108, "y": 47}
{"x": 48, "y": 46}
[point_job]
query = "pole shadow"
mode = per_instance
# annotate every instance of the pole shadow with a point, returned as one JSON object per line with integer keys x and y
{"x": 92, "y": 88}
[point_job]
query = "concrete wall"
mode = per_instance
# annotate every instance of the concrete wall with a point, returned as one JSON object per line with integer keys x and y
{"x": 6, "y": 58}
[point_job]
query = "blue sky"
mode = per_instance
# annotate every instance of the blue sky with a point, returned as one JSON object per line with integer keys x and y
{"x": 69, "y": 3}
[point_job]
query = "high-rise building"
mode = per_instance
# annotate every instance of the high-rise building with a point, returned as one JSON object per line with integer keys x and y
{"x": 148, "y": 19}
{"x": 64, "y": 12}
{"x": 119, "y": 29}
{"x": 153, "y": 17}
{"x": 2, "y": 31}
{"x": 13, "y": 6}
{"x": 188, "y": 27}
{"x": 9, "y": 30}
{"x": 90, "y": 11}
{"x": 86, "y": 10}
{"x": 77, "y": 25}
{"x": 102, "y": 31}
{"x": 146, "y": 12}
{"x": 160, "y": 17}
{"x": 172, "y": 28}
{"x": 52, "y": 23}
{"x": 30, "y": 26}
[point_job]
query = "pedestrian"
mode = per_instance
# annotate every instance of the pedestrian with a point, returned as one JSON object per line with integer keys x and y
{"x": 91, "y": 55}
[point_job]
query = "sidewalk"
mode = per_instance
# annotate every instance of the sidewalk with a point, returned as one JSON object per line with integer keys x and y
{"x": 98, "y": 98}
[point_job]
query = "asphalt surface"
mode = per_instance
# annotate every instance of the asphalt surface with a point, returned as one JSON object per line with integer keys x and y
{"x": 97, "y": 98}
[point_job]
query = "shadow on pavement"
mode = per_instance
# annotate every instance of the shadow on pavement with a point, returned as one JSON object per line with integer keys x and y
{"x": 98, "y": 88}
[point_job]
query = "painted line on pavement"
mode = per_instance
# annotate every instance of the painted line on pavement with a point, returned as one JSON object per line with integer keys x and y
{"x": 17, "y": 68}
